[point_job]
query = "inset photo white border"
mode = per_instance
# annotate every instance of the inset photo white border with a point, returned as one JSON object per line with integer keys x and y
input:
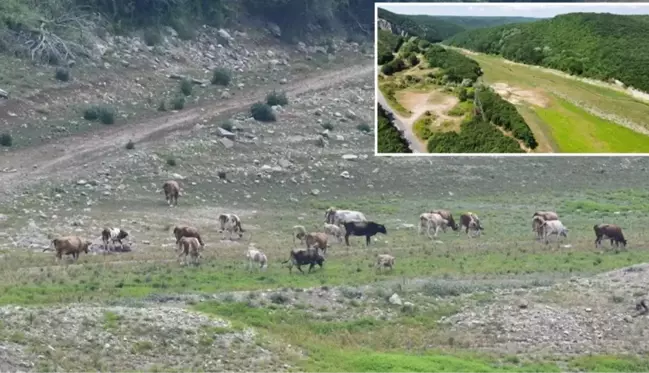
{"x": 526, "y": 10}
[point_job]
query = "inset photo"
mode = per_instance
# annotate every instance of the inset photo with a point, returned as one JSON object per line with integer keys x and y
{"x": 512, "y": 78}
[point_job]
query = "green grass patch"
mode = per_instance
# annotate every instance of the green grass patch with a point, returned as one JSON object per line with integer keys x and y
{"x": 389, "y": 92}
{"x": 577, "y": 131}
{"x": 461, "y": 108}
{"x": 610, "y": 364}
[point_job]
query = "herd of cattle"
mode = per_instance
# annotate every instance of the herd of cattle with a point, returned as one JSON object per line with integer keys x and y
{"x": 339, "y": 224}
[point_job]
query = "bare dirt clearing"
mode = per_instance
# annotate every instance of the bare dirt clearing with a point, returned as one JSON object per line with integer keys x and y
{"x": 518, "y": 95}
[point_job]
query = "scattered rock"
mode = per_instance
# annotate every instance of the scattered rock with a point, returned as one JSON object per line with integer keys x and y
{"x": 225, "y": 133}
{"x": 226, "y": 142}
{"x": 395, "y": 299}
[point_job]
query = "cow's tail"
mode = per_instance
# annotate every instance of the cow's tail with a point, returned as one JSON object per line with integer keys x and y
{"x": 239, "y": 226}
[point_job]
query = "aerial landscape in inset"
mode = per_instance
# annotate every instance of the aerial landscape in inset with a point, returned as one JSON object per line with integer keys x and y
{"x": 516, "y": 78}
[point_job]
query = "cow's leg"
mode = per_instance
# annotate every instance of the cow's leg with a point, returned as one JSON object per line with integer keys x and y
{"x": 346, "y": 239}
{"x": 311, "y": 266}
{"x": 596, "y": 242}
{"x": 367, "y": 240}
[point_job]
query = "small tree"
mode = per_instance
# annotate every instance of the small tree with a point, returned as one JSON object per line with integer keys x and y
{"x": 186, "y": 87}
{"x": 6, "y": 140}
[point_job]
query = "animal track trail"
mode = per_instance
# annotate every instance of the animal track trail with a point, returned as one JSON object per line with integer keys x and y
{"x": 62, "y": 159}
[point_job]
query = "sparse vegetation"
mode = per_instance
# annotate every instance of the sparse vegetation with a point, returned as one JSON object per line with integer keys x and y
{"x": 104, "y": 113}
{"x": 276, "y": 98}
{"x": 227, "y": 125}
{"x": 178, "y": 103}
{"x": 262, "y": 112}
{"x": 186, "y": 87}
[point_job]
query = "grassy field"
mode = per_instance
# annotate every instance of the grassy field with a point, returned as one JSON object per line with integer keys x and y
{"x": 571, "y": 109}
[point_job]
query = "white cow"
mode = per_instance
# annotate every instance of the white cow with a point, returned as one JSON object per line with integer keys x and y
{"x": 340, "y": 217}
{"x": 553, "y": 228}
{"x": 230, "y": 223}
{"x": 434, "y": 221}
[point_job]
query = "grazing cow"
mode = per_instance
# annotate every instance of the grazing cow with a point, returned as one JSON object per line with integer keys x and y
{"x": 432, "y": 221}
{"x": 470, "y": 221}
{"x": 69, "y": 245}
{"x": 231, "y": 223}
{"x": 537, "y": 220}
{"x": 190, "y": 246}
{"x": 367, "y": 229}
{"x": 334, "y": 230}
{"x": 256, "y": 256}
{"x": 302, "y": 257}
{"x": 172, "y": 191}
{"x": 299, "y": 232}
{"x": 113, "y": 235}
{"x": 609, "y": 231}
{"x": 185, "y": 231}
{"x": 553, "y": 228}
{"x": 384, "y": 260}
{"x": 340, "y": 217}
{"x": 448, "y": 216}
{"x": 317, "y": 240}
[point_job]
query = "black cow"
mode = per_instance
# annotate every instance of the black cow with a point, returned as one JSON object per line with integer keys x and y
{"x": 302, "y": 257}
{"x": 367, "y": 229}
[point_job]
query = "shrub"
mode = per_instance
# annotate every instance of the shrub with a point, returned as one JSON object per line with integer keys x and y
{"x": 227, "y": 125}
{"x": 463, "y": 94}
{"x": 262, "y": 112}
{"x": 364, "y": 127}
{"x": 162, "y": 106}
{"x": 186, "y": 86}
{"x": 6, "y": 140}
{"x": 62, "y": 74}
{"x": 103, "y": 113}
{"x": 171, "y": 162}
{"x": 221, "y": 76}
{"x": 178, "y": 103}
{"x": 183, "y": 28}
{"x": 152, "y": 37}
{"x": 422, "y": 128}
{"x": 130, "y": 145}
{"x": 328, "y": 126}
{"x": 276, "y": 98}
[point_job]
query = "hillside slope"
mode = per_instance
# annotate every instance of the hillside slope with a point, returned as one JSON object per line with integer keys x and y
{"x": 601, "y": 46}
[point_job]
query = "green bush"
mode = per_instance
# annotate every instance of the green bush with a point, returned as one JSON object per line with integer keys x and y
{"x": 227, "y": 125}
{"x": 276, "y": 98}
{"x": 171, "y": 161}
{"x": 328, "y": 126}
{"x": 6, "y": 140}
{"x": 183, "y": 28}
{"x": 421, "y": 128}
{"x": 62, "y": 74}
{"x": 186, "y": 87}
{"x": 162, "y": 106}
{"x": 262, "y": 112}
{"x": 389, "y": 139}
{"x": 152, "y": 36}
{"x": 103, "y": 113}
{"x": 178, "y": 103}
{"x": 221, "y": 76}
{"x": 130, "y": 145}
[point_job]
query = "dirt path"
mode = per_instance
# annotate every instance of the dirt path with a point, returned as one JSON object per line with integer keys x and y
{"x": 27, "y": 166}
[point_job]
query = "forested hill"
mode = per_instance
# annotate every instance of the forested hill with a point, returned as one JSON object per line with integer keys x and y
{"x": 425, "y": 27}
{"x": 595, "y": 45}
{"x": 437, "y": 28}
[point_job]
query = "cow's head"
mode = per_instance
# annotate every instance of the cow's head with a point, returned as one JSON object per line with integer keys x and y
{"x": 381, "y": 229}
{"x": 86, "y": 246}
{"x": 329, "y": 215}
{"x": 122, "y": 234}
{"x": 319, "y": 259}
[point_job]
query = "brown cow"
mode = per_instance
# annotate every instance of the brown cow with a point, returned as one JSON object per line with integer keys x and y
{"x": 471, "y": 221}
{"x": 610, "y": 231}
{"x": 185, "y": 231}
{"x": 190, "y": 246}
{"x": 70, "y": 245}
{"x": 318, "y": 240}
{"x": 447, "y": 216}
{"x": 172, "y": 191}
{"x": 539, "y": 218}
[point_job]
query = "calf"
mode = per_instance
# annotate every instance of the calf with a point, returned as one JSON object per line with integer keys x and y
{"x": 172, "y": 191}
{"x": 185, "y": 231}
{"x": 256, "y": 256}
{"x": 230, "y": 223}
{"x": 69, "y": 245}
{"x": 384, "y": 260}
{"x": 537, "y": 221}
{"x": 113, "y": 235}
{"x": 609, "y": 231}
{"x": 299, "y": 232}
{"x": 434, "y": 221}
{"x": 470, "y": 221}
{"x": 317, "y": 240}
{"x": 190, "y": 246}
{"x": 302, "y": 257}
{"x": 367, "y": 229}
{"x": 553, "y": 227}
{"x": 334, "y": 230}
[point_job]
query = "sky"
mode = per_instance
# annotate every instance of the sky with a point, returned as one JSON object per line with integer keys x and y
{"x": 537, "y": 10}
